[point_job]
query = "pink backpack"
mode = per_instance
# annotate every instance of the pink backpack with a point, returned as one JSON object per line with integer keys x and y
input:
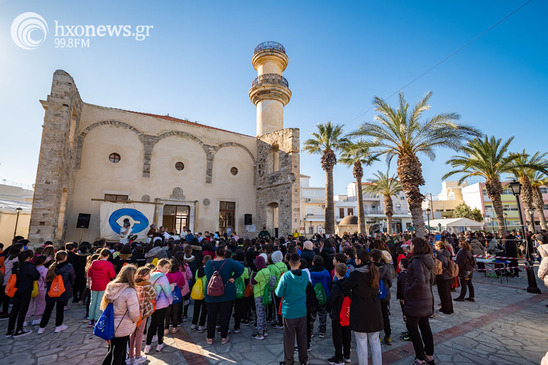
{"x": 216, "y": 286}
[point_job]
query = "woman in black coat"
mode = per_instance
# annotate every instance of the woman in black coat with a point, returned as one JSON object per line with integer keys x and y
{"x": 443, "y": 281}
{"x": 466, "y": 263}
{"x": 418, "y": 300}
{"x": 365, "y": 308}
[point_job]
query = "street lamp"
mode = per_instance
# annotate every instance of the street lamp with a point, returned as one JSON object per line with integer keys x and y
{"x": 18, "y": 210}
{"x": 505, "y": 218}
{"x": 515, "y": 186}
{"x": 428, "y": 211}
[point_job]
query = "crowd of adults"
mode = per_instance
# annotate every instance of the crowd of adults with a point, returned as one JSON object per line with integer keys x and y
{"x": 287, "y": 283}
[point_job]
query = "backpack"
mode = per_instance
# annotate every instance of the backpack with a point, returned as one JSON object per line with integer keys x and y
{"x": 104, "y": 327}
{"x": 57, "y": 287}
{"x": 148, "y": 306}
{"x": 344, "y": 315}
{"x": 240, "y": 288}
{"x": 248, "y": 289}
{"x": 438, "y": 267}
{"x": 320, "y": 294}
{"x": 177, "y": 295}
{"x": 452, "y": 269}
{"x": 311, "y": 299}
{"x": 197, "y": 292}
{"x": 382, "y": 290}
{"x": 10, "y": 286}
{"x": 34, "y": 293}
{"x": 216, "y": 286}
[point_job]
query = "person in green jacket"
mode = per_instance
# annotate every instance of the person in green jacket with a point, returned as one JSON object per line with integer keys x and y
{"x": 292, "y": 287}
{"x": 260, "y": 280}
{"x": 277, "y": 268}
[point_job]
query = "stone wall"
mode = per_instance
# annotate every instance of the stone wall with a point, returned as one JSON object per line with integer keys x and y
{"x": 278, "y": 179}
{"x": 54, "y": 179}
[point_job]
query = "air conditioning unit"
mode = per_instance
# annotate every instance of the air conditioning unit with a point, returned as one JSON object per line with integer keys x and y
{"x": 307, "y": 200}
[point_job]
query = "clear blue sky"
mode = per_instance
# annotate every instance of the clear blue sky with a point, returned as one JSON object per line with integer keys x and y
{"x": 196, "y": 64}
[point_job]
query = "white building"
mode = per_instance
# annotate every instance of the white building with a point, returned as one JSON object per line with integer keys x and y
{"x": 313, "y": 208}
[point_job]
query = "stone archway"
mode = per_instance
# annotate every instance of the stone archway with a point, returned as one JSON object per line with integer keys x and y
{"x": 272, "y": 218}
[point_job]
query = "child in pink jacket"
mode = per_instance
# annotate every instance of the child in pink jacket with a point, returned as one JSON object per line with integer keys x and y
{"x": 175, "y": 278}
{"x": 38, "y": 303}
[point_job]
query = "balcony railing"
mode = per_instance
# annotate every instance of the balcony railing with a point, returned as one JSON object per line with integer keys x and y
{"x": 270, "y": 45}
{"x": 271, "y": 79}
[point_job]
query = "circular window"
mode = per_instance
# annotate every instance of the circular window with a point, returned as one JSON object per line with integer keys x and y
{"x": 234, "y": 171}
{"x": 114, "y": 158}
{"x": 179, "y": 166}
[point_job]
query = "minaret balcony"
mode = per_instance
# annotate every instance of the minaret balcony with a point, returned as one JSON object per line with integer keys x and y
{"x": 270, "y": 79}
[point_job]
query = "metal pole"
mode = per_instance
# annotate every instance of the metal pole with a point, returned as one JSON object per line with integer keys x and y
{"x": 531, "y": 280}
{"x": 16, "y": 222}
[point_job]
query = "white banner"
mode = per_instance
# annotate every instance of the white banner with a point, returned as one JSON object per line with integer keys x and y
{"x": 113, "y": 214}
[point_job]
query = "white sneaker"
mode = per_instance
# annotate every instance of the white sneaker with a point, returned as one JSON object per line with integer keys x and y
{"x": 41, "y": 330}
{"x": 130, "y": 361}
{"x": 147, "y": 349}
{"x": 140, "y": 360}
{"x": 35, "y": 322}
{"x": 201, "y": 328}
{"x": 160, "y": 347}
{"x": 25, "y": 324}
{"x": 60, "y": 328}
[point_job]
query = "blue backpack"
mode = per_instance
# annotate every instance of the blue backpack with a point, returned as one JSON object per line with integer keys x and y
{"x": 104, "y": 327}
{"x": 382, "y": 290}
{"x": 177, "y": 295}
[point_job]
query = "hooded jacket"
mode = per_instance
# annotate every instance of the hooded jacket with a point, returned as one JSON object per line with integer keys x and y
{"x": 26, "y": 275}
{"x": 160, "y": 283}
{"x": 126, "y": 307}
{"x": 477, "y": 247}
{"x": 418, "y": 286}
{"x": 67, "y": 273}
{"x": 292, "y": 287}
{"x": 261, "y": 278}
{"x": 101, "y": 272}
{"x": 365, "y": 308}
{"x": 334, "y": 302}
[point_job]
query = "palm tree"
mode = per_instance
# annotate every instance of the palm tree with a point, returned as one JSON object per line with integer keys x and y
{"x": 539, "y": 179}
{"x": 488, "y": 158}
{"x": 387, "y": 186}
{"x": 326, "y": 141}
{"x": 358, "y": 154}
{"x": 525, "y": 166}
{"x": 402, "y": 134}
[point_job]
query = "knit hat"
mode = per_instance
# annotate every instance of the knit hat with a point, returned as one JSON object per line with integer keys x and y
{"x": 308, "y": 245}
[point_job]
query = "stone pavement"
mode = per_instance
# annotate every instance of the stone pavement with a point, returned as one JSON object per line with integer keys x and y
{"x": 506, "y": 325}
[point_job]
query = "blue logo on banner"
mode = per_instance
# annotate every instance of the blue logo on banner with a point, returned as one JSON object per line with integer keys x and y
{"x": 137, "y": 220}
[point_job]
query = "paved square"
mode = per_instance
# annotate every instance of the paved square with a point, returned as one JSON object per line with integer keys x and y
{"x": 506, "y": 325}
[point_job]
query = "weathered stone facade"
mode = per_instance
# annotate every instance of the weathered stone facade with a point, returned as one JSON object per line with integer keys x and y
{"x": 278, "y": 180}
{"x": 54, "y": 182}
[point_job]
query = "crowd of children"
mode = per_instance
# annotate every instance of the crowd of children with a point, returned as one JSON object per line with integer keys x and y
{"x": 267, "y": 283}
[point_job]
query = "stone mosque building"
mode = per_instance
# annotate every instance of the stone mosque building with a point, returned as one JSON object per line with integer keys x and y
{"x": 100, "y": 165}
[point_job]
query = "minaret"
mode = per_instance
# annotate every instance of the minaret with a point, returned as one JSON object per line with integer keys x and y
{"x": 270, "y": 90}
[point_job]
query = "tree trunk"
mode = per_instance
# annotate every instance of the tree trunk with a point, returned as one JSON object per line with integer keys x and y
{"x": 358, "y": 174}
{"x": 494, "y": 191}
{"x": 329, "y": 209}
{"x": 526, "y": 197}
{"x": 389, "y": 212}
{"x": 539, "y": 206}
{"x": 410, "y": 175}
